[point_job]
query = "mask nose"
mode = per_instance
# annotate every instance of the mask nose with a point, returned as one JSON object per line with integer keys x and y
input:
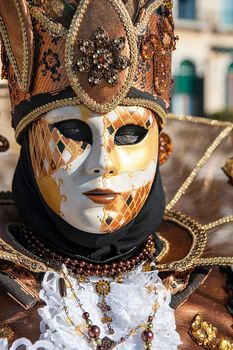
{"x": 100, "y": 162}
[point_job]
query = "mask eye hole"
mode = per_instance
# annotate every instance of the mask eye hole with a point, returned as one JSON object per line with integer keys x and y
{"x": 130, "y": 135}
{"x": 75, "y": 129}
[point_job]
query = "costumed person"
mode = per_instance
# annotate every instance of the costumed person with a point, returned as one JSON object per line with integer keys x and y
{"x": 91, "y": 257}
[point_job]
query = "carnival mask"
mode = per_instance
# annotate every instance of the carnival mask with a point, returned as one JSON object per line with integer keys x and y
{"x": 95, "y": 171}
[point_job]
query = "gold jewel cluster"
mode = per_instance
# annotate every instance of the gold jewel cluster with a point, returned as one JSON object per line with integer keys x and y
{"x": 101, "y": 58}
{"x": 228, "y": 169}
{"x": 6, "y": 332}
{"x": 206, "y": 335}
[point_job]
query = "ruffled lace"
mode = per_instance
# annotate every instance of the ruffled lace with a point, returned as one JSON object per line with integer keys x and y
{"x": 131, "y": 303}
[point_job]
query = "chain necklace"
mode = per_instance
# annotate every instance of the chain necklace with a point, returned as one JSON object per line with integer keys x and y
{"x": 92, "y": 334}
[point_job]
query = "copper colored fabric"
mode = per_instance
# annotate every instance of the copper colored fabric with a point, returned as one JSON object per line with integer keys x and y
{"x": 210, "y": 302}
{"x": 11, "y": 19}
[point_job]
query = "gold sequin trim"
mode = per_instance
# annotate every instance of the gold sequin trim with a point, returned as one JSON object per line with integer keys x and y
{"x": 23, "y": 80}
{"x": 206, "y": 335}
{"x": 193, "y": 258}
{"x": 199, "y": 238}
{"x": 54, "y": 28}
{"x": 164, "y": 250}
{"x": 199, "y": 165}
{"x": 37, "y": 112}
{"x": 140, "y": 26}
{"x": 10, "y": 254}
{"x": 217, "y": 223}
{"x": 69, "y": 56}
{"x": 199, "y": 120}
{"x": 147, "y": 104}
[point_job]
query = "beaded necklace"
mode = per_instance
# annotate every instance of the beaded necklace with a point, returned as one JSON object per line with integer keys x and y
{"x": 92, "y": 334}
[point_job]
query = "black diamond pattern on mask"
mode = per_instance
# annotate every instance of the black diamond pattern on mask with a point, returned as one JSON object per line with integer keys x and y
{"x": 61, "y": 146}
{"x": 51, "y": 127}
{"x": 148, "y": 123}
{"x": 129, "y": 200}
{"x": 109, "y": 220}
{"x": 110, "y": 130}
{"x": 84, "y": 145}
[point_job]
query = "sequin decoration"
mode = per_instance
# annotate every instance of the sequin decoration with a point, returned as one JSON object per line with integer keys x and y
{"x": 50, "y": 150}
{"x": 102, "y": 59}
{"x": 165, "y": 148}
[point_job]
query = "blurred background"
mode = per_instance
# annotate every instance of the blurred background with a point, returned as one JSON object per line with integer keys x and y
{"x": 203, "y": 61}
{"x": 202, "y": 70}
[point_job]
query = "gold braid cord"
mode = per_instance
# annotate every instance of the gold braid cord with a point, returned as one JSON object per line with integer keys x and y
{"x": 206, "y": 335}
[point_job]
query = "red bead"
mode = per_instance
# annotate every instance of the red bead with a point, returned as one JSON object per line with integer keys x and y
{"x": 147, "y": 335}
{"x": 94, "y": 331}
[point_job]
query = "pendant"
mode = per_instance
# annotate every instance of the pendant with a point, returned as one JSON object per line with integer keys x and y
{"x": 108, "y": 344}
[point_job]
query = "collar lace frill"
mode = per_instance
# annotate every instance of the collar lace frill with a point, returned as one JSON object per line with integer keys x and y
{"x": 131, "y": 302}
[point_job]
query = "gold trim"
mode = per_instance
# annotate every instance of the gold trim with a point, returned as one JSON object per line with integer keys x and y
{"x": 218, "y": 261}
{"x": 199, "y": 120}
{"x": 127, "y": 101}
{"x": 198, "y": 246}
{"x": 69, "y": 56}
{"x": 217, "y": 223}
{"x": 193, "y": 258}
{"x": 10, "y": 254}
{"x": 23, "y": 80}
{"x": 54, "y": 28}
{"x": 154, "y": 6}
{"x": 182, "y": 190}
{"x": 165, "y": 249}
{"x": 37, "y": 112}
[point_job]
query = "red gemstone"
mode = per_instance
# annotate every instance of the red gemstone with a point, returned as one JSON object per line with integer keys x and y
{"x": 101, "y": 59}
{"x": 147, "y": 335}
{"x": 94, "y": 331}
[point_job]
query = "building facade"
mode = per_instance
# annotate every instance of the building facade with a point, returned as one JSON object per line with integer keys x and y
{"x": 203, "y": 61}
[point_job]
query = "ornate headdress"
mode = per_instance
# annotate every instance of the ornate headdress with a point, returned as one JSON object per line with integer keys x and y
{"x": 101, "y": 53}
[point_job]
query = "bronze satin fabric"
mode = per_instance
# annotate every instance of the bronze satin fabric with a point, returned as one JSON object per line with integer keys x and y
{"x": 209, "y": 301}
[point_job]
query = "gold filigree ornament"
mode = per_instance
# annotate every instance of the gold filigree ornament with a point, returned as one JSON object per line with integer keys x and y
{"x": 10, "y": 254}
{"x": 206, "y": 335}
{"x": 6, "y": 332}
{"x": 228, "y": 169}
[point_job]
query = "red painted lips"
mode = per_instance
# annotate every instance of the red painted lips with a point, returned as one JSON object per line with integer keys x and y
{"x": 100, "y": 196}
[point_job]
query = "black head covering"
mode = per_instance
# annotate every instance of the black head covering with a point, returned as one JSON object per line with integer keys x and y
{"x": 58, "y": 235}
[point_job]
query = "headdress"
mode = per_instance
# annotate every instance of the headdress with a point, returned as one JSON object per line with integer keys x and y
{"x": 100, "y": 53}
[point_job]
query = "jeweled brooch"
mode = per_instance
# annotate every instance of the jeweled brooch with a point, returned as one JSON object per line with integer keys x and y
{"x": 101, "y": 58}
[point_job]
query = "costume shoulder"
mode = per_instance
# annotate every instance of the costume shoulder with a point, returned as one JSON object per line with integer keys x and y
{"x": 10, "y": 249}
{"x": 19, "y": 279}
{"x": 199, "y": 210}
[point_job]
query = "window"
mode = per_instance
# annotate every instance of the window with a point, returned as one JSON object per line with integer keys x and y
{"x": 229, "y": 87}
{"x": 188, "y": 91}
{"x": 187, "y": 9}
{"x": 227, "y": 12}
